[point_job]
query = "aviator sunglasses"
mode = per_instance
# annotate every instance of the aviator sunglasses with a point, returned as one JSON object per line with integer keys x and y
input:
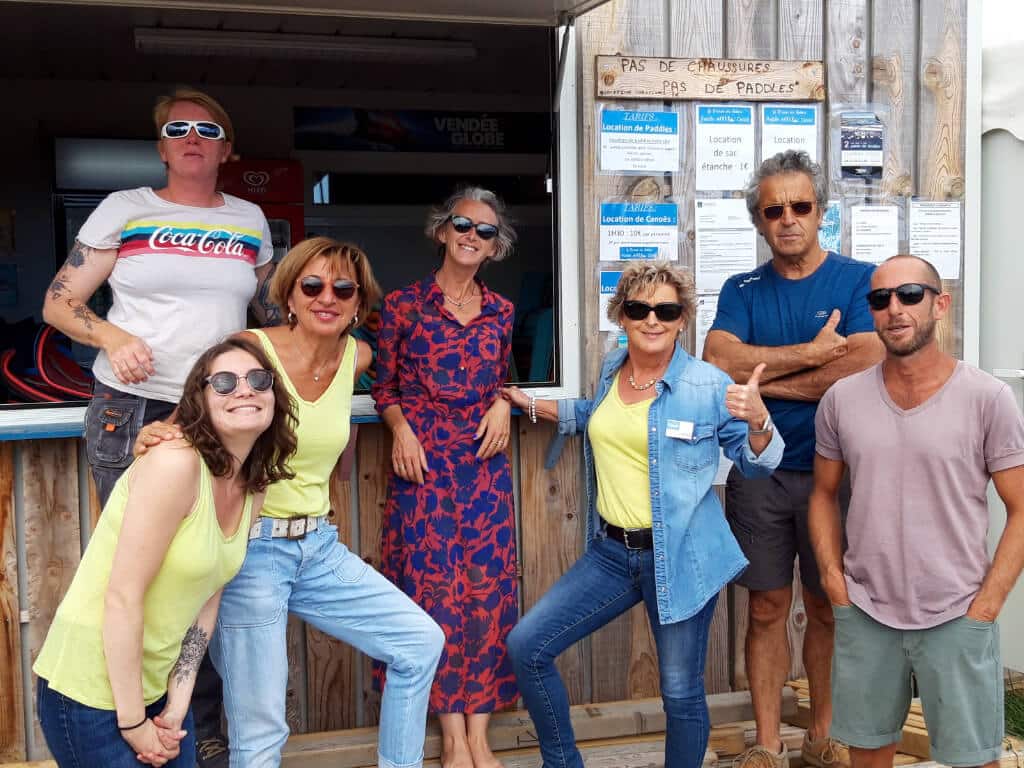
{"x": 800, "y": 208}
{"x": 226, "y": 382}
{"x": 313, "y": 286}
{"x": 205, "y": 129}
{"x": 484, "y": 231}
{"x": 667, "y": 311}
{"x": 908, "y": 294}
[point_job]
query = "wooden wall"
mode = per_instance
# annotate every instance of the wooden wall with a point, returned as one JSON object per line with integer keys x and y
{"x": 908, "y": 54}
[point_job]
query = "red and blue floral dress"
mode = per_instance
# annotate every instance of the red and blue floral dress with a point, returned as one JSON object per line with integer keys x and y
{"x": 450, "y": 543}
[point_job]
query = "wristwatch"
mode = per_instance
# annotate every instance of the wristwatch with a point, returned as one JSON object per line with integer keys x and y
{"x": 767, "y": 427}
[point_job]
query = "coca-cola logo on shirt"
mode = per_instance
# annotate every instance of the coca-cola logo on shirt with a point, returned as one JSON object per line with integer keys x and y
{"x": 215, "y": 242}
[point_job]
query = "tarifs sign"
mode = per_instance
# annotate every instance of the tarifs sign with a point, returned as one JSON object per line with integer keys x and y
{"x": 634, "y": 77}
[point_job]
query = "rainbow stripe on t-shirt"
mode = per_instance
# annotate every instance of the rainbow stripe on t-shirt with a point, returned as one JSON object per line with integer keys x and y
{"x": 179, "y": 238}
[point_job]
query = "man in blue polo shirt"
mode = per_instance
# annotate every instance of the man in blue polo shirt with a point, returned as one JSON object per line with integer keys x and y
{"x": 804, "y": 314}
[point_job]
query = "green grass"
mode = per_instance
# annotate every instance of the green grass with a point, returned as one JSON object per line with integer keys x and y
{"x": 1015, "y": 712}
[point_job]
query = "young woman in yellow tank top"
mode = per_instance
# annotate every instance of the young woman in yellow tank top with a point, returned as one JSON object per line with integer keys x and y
{"x": 118, "y": 666}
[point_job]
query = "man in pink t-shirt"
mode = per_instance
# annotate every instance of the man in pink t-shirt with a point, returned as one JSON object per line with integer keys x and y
{"x": 916, "y": 594}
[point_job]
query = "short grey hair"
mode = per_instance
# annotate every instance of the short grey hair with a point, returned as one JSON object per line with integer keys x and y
{"x": 790, "y": 161}
{"x": 644, "y": 276}
{"x": 439, "y": 216}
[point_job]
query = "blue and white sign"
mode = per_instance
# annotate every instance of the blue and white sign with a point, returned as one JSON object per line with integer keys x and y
{"x": 639, "y": 231}
{"x": 724, "y": 147}
{"x": 639, "y": 142}
{"x": 830, "y": 233}
{"x": 609, "y": 282}
{"x": 787, "y": 127}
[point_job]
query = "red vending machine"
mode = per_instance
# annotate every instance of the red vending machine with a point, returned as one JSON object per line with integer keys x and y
{"x": 276, "y": 186}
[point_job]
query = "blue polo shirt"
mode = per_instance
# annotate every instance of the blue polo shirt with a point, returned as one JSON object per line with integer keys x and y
{"x": 763, "y": 309}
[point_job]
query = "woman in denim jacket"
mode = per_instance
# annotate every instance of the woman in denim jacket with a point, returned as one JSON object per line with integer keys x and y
{"x": 656, "y": 530}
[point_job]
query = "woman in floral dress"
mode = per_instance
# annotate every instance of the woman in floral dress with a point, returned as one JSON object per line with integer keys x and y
{"x": 449, "y": 532}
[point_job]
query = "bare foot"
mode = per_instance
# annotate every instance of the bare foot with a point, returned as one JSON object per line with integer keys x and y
{"x": 482, "y": 755}
{"x": 456, "y": 754}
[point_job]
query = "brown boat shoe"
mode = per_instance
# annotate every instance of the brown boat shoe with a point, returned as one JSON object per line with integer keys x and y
{"x": 825, "y": 752}
{"x": 761, "y": 757}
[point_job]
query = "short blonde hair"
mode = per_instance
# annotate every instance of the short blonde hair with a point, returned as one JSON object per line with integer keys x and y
{"x": 207, "y": 102}
{"x": 338, "y": 254}
{"x": 643, "y": 277}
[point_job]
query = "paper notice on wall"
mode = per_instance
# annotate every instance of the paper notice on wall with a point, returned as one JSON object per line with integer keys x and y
{"x": 609, "y": 282}
{"x": 707, "y": 308}
{"x": 874, "y": 232}
{"x": 786, "y": 127}
{"x": 830, "y": 233}
{"x": 935, "y": 235}
{"x": 639, "y": 142}
{"x": 724, "y": 147}
{"x": 725, "y": 244}
{"x": 639, "y": 231}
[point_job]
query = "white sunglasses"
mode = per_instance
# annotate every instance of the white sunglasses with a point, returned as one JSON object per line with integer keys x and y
{"x": 205, "y": 129}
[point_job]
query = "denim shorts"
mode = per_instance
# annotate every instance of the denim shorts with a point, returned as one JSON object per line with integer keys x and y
{"x": 84, "y": 737}
{"x": 959, "y": 676}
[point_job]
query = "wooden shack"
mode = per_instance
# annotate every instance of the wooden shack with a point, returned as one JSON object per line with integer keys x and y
{"x": 910, "y": 55}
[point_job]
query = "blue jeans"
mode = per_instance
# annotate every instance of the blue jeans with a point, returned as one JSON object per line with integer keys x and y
{"x": 84, "y": 737}
{"x": 319, "y": 580}
{"x": 604, "y": 583}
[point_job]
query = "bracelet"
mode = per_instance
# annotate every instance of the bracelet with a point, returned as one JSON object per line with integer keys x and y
{"x": 533, "y": 409}
{"x": 124, "y": 728}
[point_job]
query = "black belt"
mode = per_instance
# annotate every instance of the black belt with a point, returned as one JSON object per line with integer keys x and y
{"x": 631, "y": 538}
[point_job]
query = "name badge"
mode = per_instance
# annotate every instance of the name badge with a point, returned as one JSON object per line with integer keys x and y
{"x": 682, "y": 430}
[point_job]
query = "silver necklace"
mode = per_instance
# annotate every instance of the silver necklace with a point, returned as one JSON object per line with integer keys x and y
{"x": 466, "y": 298}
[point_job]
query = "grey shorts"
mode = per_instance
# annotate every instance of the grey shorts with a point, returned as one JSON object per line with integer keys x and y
{"x": 768, "y": 517}
{"x": 959, "y": 677}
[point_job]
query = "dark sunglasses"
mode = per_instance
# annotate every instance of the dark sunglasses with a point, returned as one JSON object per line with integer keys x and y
{"x": 484, "y": 231}
{"x": 313, "y": 286}
{"x": 799, "y": 208}
{"x": 226, "y": 382}
{"x": 908, "y": 294}
{"x": 205, "y": 129}
{"x": 667, "y": 311}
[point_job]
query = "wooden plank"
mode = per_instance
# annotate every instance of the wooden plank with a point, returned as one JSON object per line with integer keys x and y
{"x": 630, "y": 28}
{"x": 739, "y": 618}
{"x": 373, "y": 457}
{"x": 941, "y": 130}
{"x": 95, "y": 508}
{"x": 49, "y": 469}
{"x": 332, "y": 669}
{"x": 12, "y": 716}
{"x": 750, "y": 29}
{"x": 514, "y": 730}
{"x": 846, "y": 51}
{"x": 295, "y": 709}
{"x": 552, "y": 532}
{"x": 718, "y": 663}
{"x": 893, "y": 73}
{"x": 800, "y": 29}
{"x": 669, "y": 79}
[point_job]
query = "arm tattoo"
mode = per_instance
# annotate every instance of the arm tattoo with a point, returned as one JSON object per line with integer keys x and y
{"x": 83, "y": 313}
{"x": 267, "y": 311}
{"x": 59, "y": 284}
{"x": 192, "y": 649}
{"x": 77, "y": 254}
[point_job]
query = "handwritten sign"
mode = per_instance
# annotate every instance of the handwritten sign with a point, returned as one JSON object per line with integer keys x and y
{"x": 633, "y": 77}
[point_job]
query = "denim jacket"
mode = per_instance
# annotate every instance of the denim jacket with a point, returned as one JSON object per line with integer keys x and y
{"x": 695, "y": 553}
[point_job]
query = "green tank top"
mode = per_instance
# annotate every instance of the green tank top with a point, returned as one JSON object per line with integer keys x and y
{"x": 322, "y": 433}
{"x": 199, "y": 561}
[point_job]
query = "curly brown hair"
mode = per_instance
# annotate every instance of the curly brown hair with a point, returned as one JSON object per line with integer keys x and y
{"x": 267, "y": 462}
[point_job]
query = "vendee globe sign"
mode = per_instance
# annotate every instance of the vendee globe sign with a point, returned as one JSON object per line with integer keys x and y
{"x": 636, "y": 77}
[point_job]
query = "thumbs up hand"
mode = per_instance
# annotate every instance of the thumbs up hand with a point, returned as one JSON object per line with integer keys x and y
{"x": 744, "y": 402}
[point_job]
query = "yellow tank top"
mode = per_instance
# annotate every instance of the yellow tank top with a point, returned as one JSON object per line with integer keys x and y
{"x": 322, "y": 434}
{"x": 199, "y": 561}
{"x": 618, "y": 436}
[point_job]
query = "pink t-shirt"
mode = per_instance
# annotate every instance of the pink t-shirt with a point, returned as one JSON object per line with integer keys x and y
{"x": 918, "y": 517}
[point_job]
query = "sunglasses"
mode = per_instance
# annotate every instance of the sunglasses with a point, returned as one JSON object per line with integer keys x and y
{"x": 313, "y": 286}
{"x": 178, "y": 129}
{"x": 226, "y": 382}
{"x": 484, "y": 231}
{"x": 799, "y": 208}
{"x": 908, "y": 294}
{"x": 667, "y": 312}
